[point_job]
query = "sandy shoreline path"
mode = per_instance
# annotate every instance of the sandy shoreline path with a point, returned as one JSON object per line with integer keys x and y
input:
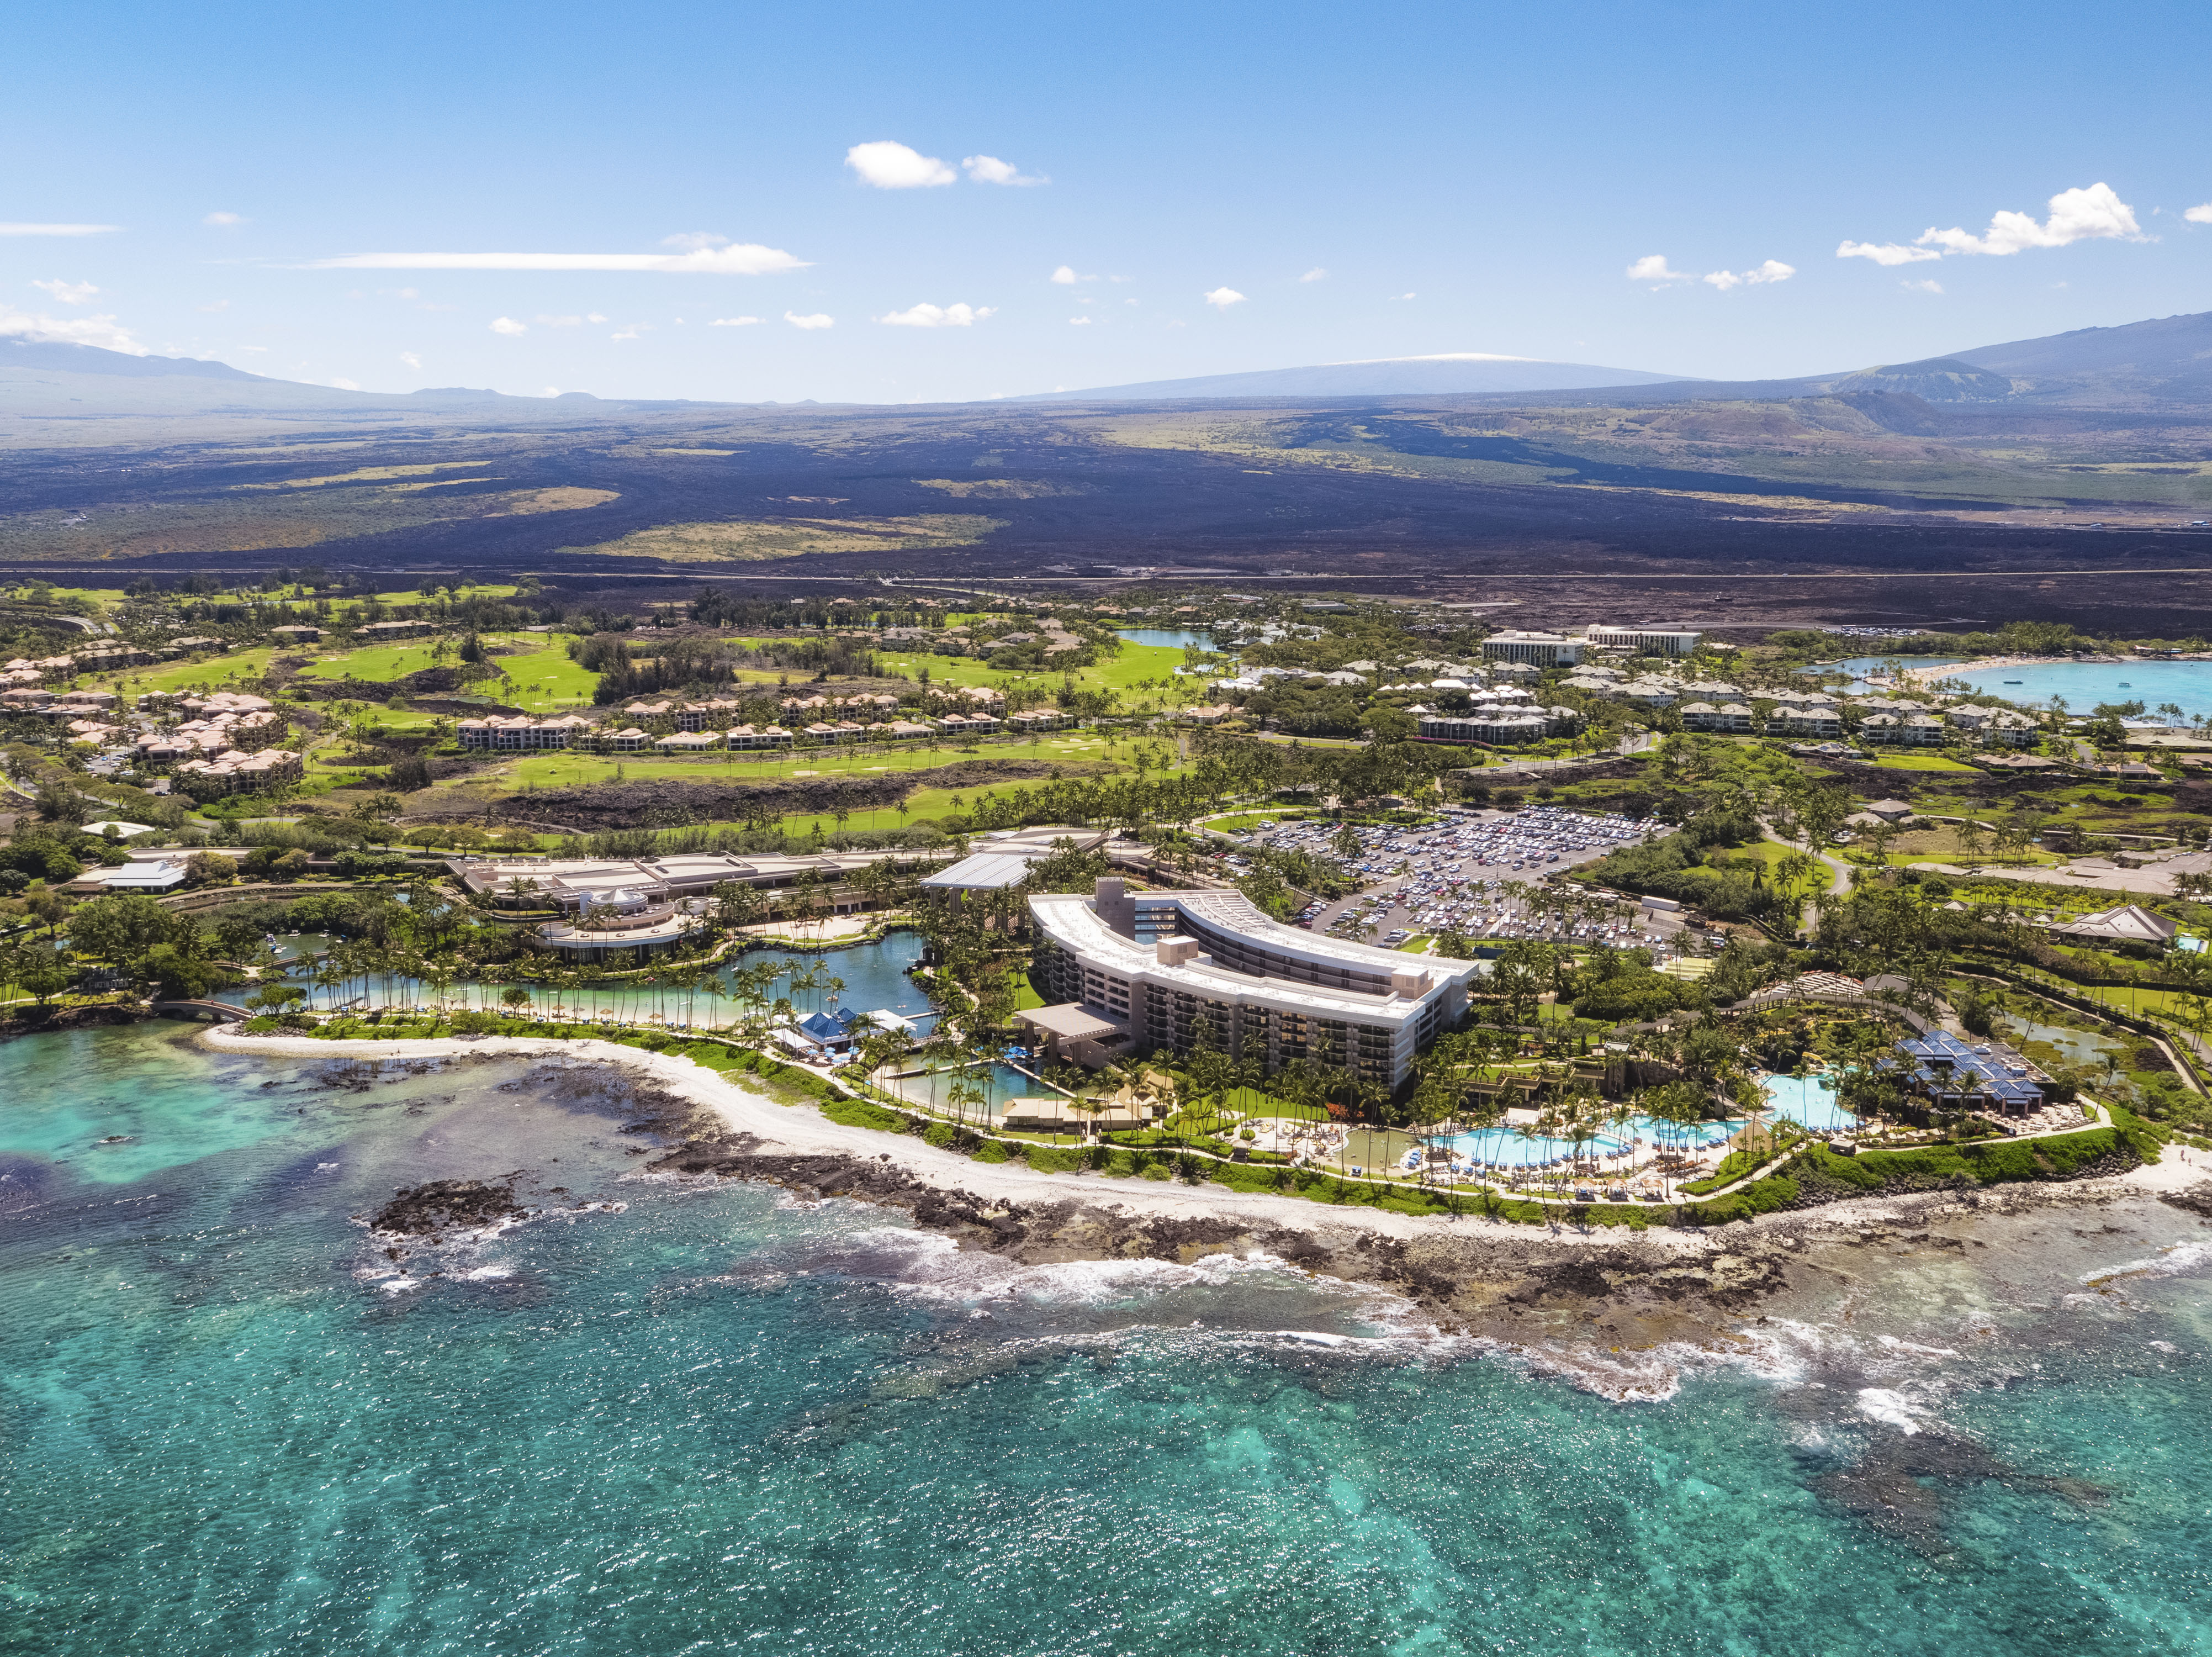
{"x": 773, "y": 1131}
{"x": 1581, "y": 1302}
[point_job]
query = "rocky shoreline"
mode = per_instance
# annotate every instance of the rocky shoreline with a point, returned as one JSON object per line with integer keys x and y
{"x": 1600, "y": 1290}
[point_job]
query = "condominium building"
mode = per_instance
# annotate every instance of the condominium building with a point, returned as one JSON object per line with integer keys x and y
{"x": 1538, "y": 649}
{"x": 1645, "y": 641}
{"x": 1160, "y": 966}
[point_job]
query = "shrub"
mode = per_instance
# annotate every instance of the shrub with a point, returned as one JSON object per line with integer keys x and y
{"x": 860, "y": 1113}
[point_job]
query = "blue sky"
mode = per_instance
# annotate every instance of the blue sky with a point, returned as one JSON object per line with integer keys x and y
{"x": 1343, "y": 182}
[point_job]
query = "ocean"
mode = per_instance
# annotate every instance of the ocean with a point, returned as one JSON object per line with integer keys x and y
{"x": 677, "y": 1415}
{"x": 2187, "y": 685}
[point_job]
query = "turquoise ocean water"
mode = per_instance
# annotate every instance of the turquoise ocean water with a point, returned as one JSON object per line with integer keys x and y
{"x": 697, "y": 1417}
{"x": 2084, "y": 684}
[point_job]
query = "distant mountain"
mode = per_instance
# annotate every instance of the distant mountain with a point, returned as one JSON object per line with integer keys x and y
{"x": 1453, "y": 373}
{"x": 2168, "y": 358}
{"x": 94, "y": 359}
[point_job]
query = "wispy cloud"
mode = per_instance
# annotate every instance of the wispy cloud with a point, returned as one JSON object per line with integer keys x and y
{"x": 216, "y": 305}
{"x": 1886, "y": 253}
{"x": 889, "y": 166}
{"x": 69, "y": 293}
{"x": 933, "y": 316}
{"x": 1409, "y": 296}
{"x": 689, "y": 240}
{"x": 572, "y": 321}
{"x": 1923, "y": 285}
{"x": 224, "y": 219}
{"x": 738, "y": 259}
{"x": 1079, "y": 322}
{"x": 2095, "y": 213}
{"x": 734, "y": 322}
{"x": 989, "y": 169}
{"x": 507, "y": 324}
{"x": 1317, "y": 274}
{"x": 59, "y": 229}
{"x": 1222, "y": 298}
{"x": 411, "y": 359}
{"x": 817, "y": 320}
{"x": 1652, "y": 267}
{"x": 102, "y": 331}
{"x": 1772, "y": 270}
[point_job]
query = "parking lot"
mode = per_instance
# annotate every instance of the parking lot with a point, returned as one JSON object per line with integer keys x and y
{"x": 1481, "y": 873}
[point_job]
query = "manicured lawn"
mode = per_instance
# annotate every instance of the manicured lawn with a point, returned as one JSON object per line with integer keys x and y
{"x": 210, "y": 671}
{"x": 379, "y": 662}
{"x": 1920, "y": 762}
{"x": 568, "y": 770}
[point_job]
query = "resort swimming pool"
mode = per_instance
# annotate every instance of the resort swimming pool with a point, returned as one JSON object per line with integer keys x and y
{"x": 1001, "y": 1081}
{"x": 1809, "y": 1101}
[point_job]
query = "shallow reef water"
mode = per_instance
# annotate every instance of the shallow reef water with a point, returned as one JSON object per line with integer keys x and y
{"x": 672, "y": 1414}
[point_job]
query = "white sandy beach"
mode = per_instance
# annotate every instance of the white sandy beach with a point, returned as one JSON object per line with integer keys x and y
{"x": 801, "y": 1130}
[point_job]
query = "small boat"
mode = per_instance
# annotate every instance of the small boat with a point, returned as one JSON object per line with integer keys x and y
{"x": 2015, "y": 681}
{"x": 2125, "y": 686}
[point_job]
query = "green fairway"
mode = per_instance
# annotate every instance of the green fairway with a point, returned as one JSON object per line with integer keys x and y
{"x": 1920, "y": 762}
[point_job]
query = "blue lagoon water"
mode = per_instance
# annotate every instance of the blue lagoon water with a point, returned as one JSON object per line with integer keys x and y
{"x": 1174, "y": 638}
{"x": 691, "y": 1416}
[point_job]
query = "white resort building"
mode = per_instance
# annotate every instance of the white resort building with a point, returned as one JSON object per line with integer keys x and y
{"x": 1153, "y": 965}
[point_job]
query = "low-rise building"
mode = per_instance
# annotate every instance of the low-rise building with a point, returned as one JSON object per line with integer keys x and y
{"x": 1537, "y": 649}
{"x": 238, "y": 773}
{"x": 1647, "y": 640}
{"x": 519, "y": 733}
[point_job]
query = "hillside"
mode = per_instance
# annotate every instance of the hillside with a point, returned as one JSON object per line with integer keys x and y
{"x": 1452, "y": 373}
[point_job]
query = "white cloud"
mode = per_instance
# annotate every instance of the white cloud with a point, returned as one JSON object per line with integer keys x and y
{"x": 817, "y": 320}
{"x": 1079, "y": 322}
{"x": 1885, "y": 252}
{"x": 1652, "y": 267}
{"x": 1409, "y": 296}
{"x": 1924, "y": 285}
{"x": 551, "y": 391}
{"x": 989, "y": 169}
{"x": 691, "y": 239}
{"x": 889, "y": 166}
{"x": 411, "y": 359}
{"x": 1772, "y": 270}
{"x": 743, "y": 259}
{"x": 932, "y": 316}
{"x": 507, "y": 324}
{"x": 559, "y": 321}
{"x": 2089, "y": 215}
{"x": 57, "y": 230}
{"x": 224, "y": 219}
{"x": 69, "y": 293}
{"x": 1223, "y": 298}
{"x": 1317, "y": 274}
{"x": 216, "y": 305}
{"x": 630, "y": 332}
{"x": 734, "y": 322}
{"x": 102, "y": 331}
{"x": 1065, "y": 277}
{"x": 345, "y": 385}
{"x": 2200, "y": 215}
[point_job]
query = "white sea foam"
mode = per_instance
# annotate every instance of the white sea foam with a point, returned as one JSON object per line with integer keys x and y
{"x": 485, "y": 1274}
{"x": 1880, "y": 1404}
{"x": 2170, "y": 1262}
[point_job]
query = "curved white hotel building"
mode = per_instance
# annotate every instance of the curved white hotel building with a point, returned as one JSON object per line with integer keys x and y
{"x": 1153, "y": 963}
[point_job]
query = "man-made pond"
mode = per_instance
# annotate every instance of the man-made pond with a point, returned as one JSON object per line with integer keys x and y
{"x": 2085, "y": 1047}
{"x": 1809, "y": 1101}
{"x": 1172, "y": 639}
{"x": 867, "y": 978}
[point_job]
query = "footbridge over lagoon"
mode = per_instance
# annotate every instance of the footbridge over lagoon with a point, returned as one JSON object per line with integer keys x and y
{"x": 221, "y": 1012}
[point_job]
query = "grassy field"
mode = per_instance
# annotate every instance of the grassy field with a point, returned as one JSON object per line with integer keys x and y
{"x": 210, "y": 671}
{"x": 1920, "y": 762}
{"x": 377, "y": 662}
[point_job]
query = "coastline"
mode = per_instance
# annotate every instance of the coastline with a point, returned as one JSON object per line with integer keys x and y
{"x": 1928, "y": 675}
{"x": 1567, "y": 1296}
